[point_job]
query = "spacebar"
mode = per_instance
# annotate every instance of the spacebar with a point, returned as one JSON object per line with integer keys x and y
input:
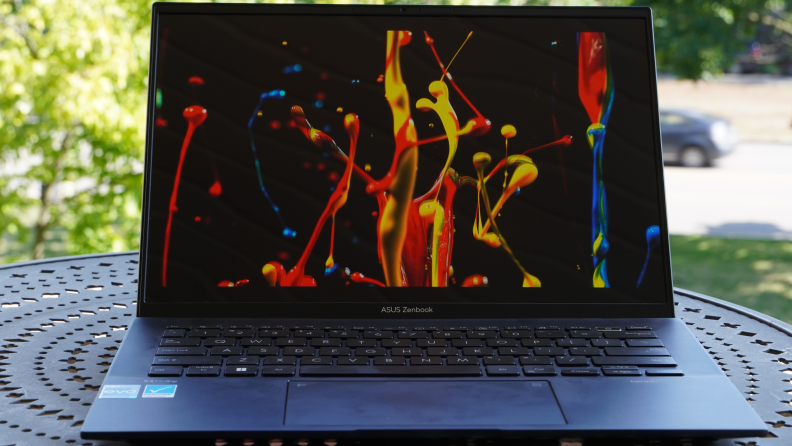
{"x": 392, "y": 370}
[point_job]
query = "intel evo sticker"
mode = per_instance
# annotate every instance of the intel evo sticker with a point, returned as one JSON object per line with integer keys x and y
{"x": 160, "y": 391}
{"x": 119, "y": 391}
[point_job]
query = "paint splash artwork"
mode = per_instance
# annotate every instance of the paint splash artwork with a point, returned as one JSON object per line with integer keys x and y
{"x": 401, "y": 172}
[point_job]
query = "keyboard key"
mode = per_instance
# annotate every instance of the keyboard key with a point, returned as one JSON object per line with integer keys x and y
{"x": 413, "y": 334}
{"x": 571, "y": 343}
{"x": 280, "y": 360}
{"x": 263, "y": 351}
{"x": 212, "y": 327}
{"x": 362, "y": 343}
{"x": 342, "y": 334}
{"x": 431, "y": 343}
{"x": 274, "y": 334}
{"x": 580, "y": 372}
{"x": 397, "y": 343}
{"x": 173, "y": 333}
{"x": 503, "y": 370}
{"x": 301, "y": 327}
{"x": 227, "y": 351}
{"x": 353, "y": 360}
{"x": 621, "y": 372}
{"x": 243, "y": 360}
{"x": 578, "y": 328}
{"x": 377, "y": 335}
{"x": 178, "y": 327}
{"x": 644, "y": 343}
{"x": 203, "y": 370}
{"x": 187, "y": 360}
{"x": 242, "y": 370}
{"x": 462, "y": 360}
{"x": 553, "y": 334}
{"x": 477, "y": 351}
{"x": 606, "y": 343}
{"x": 502, "y": 343}
{"x": 256, "y": 342}
{"x": 298, "y": 351}
{"x": 447, "y": 335}
{"x": 656, "y": 361}
{"x": 326, "y": 342}
{"x": 513, "y": 351}
{"x": 482, "y": 334}
{"x": 240, "y": 333}
{"x": 406, "y": 352}
{"x": 636, "y": 351}
{"x": 638, "y": 327}
{"x": 549, "y": 351}
{"x": 537, "y": 342}
{"x": 271, "y": 327}
{"x": 630, "y": 335}
{"x": 585, "y": 351}
{"x": 536, "y": 360}
{"x": 308, "y": 333}
{"x": 399, "y": 360}
{"x": 426, "y": 360}
{"x": 455, "y": 328}
{"x": 608, "y": 329}
{"x": 204, "y": 333}
{"x": 442, "y": 351}
{"x": 499, "y": 360}
{"x": 276, "y": 370}
{"x": 334, "y": 351}
{"x": 165, "y": 370}
{"x": 316, "y": 360}
{"x": 571, "y": 361}
{"x": 318, "y": 370}
{"x": 186, "y": 342}
{"x": 370, "y": 352}
{"x": 181, "y": 351}
{"x": 296, "y": 342}
{"x": 516, "y": 334}
{"x": 548, "y": 327}
{"x": 466, "y": 343}
{"x": 664, "y": 372}
{"x": 539, "y": 371}
{"x": 219, "y": 341}
{"x": 585, "y": 334}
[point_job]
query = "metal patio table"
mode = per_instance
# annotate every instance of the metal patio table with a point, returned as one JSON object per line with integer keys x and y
{"x": 62, "y": 320}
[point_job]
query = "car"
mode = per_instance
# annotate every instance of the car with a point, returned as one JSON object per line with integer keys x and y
{"x": 693, "y": 139}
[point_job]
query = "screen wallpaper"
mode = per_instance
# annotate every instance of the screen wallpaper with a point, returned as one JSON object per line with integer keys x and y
{"x": 353, "y": 153}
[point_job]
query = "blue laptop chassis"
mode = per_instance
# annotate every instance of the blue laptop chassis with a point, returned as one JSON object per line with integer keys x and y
{"x": 702, "y": 403}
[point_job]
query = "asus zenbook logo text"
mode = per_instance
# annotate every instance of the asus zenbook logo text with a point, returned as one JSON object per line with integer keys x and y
{"x": 406, "y": 310}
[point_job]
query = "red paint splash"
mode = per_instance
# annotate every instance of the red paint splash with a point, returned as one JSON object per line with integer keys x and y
{"x": 240, "y": 283}
{"x": 275, "y": 125}
{"x": 195, "y": 116}
{"x": 195, "y": 80}
{"x": 360, "y": 278}
{"x": 476, "y": 280}
{"x": 216, "y": 189}
{"x": 225, "y": 284}
{"x": 160, "y": 122}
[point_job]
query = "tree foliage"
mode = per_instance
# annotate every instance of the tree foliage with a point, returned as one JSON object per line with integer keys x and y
{"x": 72, "y": 114}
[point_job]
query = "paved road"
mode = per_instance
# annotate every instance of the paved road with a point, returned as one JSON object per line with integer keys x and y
{"x": 746, "y": 194}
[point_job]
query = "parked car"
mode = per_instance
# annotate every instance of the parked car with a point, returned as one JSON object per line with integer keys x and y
{"x": 693, "y": 139}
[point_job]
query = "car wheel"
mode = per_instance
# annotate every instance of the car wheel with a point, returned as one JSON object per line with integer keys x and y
{"x": 693, "y": 156}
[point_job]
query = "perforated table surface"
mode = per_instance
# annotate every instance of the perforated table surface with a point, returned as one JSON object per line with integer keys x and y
{"x": 62, "y": 320}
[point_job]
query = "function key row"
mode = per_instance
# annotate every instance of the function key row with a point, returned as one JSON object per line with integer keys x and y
{"x": 401, "y": 328}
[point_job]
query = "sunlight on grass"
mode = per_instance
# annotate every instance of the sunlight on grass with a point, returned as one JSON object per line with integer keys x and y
{"x": 753, "y": 273}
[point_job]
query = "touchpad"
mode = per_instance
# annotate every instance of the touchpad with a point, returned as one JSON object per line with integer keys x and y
{"x": 426, "y": 403}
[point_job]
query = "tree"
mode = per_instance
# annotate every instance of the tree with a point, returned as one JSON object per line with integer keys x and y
{"x": 72, "y": 114}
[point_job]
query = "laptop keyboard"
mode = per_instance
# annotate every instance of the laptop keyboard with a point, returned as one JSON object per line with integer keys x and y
{"x": 415, "y": 351}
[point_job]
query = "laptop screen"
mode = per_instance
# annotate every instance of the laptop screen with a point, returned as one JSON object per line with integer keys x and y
{"x": 342, "y": 159}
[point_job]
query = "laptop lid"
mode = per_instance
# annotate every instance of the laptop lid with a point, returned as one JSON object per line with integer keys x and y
{"x": 443, "y": 162}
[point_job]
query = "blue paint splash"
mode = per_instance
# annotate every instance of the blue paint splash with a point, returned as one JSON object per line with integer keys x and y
{"x": 277, "y": 94}
{"x": 652, "y": 240}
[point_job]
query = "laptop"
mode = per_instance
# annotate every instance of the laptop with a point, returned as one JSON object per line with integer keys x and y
{"x": 407, "y": 221}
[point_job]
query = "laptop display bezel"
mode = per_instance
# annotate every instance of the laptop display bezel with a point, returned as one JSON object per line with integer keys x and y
{"x": 376, "y": 309}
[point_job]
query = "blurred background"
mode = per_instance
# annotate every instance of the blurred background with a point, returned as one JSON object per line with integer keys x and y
{"x": 72, "y": 124}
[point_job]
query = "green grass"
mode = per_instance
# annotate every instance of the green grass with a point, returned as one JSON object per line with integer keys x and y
{"x": 753, "y": 273}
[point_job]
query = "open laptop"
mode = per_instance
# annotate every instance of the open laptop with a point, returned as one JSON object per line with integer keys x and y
{"x": 392, "y": 221}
